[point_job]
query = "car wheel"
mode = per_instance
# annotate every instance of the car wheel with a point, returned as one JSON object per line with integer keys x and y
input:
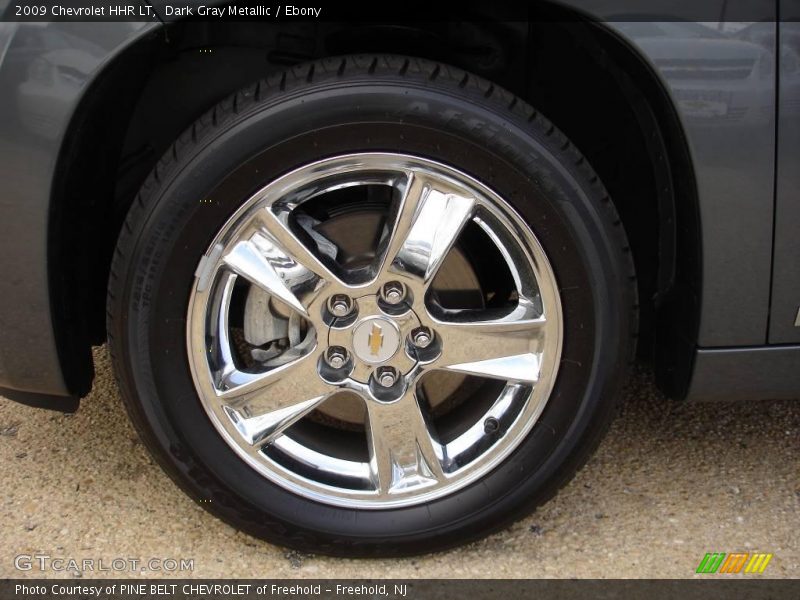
{"x": 371, "y": 306}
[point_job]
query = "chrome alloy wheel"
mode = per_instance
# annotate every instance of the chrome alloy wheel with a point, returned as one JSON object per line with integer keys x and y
{"x": 315, "y": 329}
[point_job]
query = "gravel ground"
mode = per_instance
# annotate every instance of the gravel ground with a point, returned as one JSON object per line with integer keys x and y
{"x": 670, "y": 483}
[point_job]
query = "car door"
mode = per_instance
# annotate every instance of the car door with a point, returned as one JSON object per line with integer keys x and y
{"x": 784, "y": 323}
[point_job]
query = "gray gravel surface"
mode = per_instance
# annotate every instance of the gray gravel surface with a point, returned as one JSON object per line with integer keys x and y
{"x": 670, "y": 482}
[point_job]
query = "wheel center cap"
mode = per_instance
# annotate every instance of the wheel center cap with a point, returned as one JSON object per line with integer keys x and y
{"x": 376, "y": 339}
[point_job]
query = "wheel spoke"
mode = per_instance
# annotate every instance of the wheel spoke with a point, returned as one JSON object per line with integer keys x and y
{"x": 428, "y": 222}
{"x": 277, "y": 261}
{"x": 403, "y": 453}
{"x": 499, "y": 348}
{"x": 263, "y": 405}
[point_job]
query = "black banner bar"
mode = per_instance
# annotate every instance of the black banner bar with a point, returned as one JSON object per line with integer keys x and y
{"x": 729, "y": 588}
{"x": 408, "y": 10}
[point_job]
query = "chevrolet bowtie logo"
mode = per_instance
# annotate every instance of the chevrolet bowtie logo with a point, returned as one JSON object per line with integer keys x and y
{"x": 375, "y": 339}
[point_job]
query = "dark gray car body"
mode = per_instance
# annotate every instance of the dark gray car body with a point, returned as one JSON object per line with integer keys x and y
{"x": 738, "y": 107}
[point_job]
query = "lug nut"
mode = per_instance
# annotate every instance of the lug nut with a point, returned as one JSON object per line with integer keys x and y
{"x": 340, "y": 305}
{"x": 386, "y": 376}
{"x": 336, "y": 357}
{"x": 387, "y": 380}
{"x": 422, "y": 337}
{"x": 393, "y": 292}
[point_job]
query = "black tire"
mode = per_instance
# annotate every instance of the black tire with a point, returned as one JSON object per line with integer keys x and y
{"x": 342, "y": 105}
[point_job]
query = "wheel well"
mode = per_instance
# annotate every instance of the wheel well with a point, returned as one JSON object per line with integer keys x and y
{"x": 597, "y": 90}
